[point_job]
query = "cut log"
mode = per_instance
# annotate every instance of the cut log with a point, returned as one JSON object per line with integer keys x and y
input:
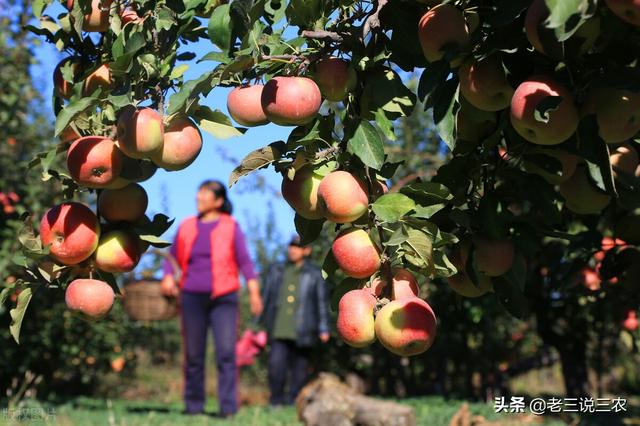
{"x": 327, "y": 401}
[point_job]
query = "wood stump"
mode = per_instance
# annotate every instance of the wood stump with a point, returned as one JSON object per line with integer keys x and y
{"x": 327, "y": 401}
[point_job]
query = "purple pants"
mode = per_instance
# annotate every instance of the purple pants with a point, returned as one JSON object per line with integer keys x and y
{"x": 198, "y": 312}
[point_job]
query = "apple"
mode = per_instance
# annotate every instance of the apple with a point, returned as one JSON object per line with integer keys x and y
{"x": 590, "y": 279}
{"x": 562, "y": 122}
{"x": 100, "y": 78}
{"x": 442, "y": 27}
{"x": 72, "y": 230}
{"x": 617, "y": 113}
{"x": 129, "y": 15}
{"x": 355, "y": 253}
{"x": 335, "y": 78}
{"x": 627, "y": 10}
{"x": 140, "y": 132}
{"x": 126, "y": 204}
{"x": 62, "y": 87}
{"x": 493, "y": 257}
{"x": 181, "y": 146}
{"x": 355, "y": 323}
{"x": 291, "y": 101}
{"x": 245, "y": 106}
{"x": 474, "y": 125}
{"x": 117, "y": 364}
{"x": 136, "y": 170}
{"x": 301, "y": 192}
{"x": 98, "y": 19}
{"x": 631, "y": 321}
{"x": 404, "y": 284}
{"x": 118, "y": 251}
{"x": 406, "y": 326}
{"x": 90, "y": 298}
{"x": 581, "y": 196}
{"x": 342, "y": 197}
{"x": 461, "y": 282}
{"x": 568, "y": 163}
{"x": 625, "y": 159}
{"x": 94, "y": 161}
{"x": 484, "y": 84}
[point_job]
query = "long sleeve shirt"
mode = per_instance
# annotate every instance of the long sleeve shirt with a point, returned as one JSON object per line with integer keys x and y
{"x": 199, "y": 277}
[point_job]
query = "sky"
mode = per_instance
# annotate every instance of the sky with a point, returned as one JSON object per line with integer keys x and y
{"x": 176, "y": 191}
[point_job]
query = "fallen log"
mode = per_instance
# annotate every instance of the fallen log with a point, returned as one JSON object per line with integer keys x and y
{"x": 327, "y": 401}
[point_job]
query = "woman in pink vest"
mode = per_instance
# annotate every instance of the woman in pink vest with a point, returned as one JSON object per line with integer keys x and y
{"x": 211, "y": 250}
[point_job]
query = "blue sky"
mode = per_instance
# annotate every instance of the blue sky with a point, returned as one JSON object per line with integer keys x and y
{"x": 176, "y": 191}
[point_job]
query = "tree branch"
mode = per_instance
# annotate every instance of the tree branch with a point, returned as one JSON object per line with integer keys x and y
{"x": 373, "y": 21}
{"x": 321, "y": 35}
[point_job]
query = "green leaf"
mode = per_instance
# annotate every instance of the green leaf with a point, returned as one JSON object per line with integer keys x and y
{"x": 366, "y": 144}
{"x": 71, "y": 111}
{"x": 329, "y": 267}
{"x": 221, "y": 27}
{"x": 304, "y": 13}
{"x": 427, "y": 193}
{"x": 391, "y": 207}
{"x": 257, "y": 159}
{"x": 444, "y": 101}
{"x": 427, "y": 212}
{"x": 545, "y": 106}
{"x": 178, "y": 71}
{"x": 17, "y": 313}
{"x": 418, "y": 249}
{"x": 398, "y": 237}
{"x": 38, "y": 6}
{"x": 511, "y": 297}
{"x": 155, "y": 240}
{"x": 309, "y": 230}
{"x": 216, "y": 123}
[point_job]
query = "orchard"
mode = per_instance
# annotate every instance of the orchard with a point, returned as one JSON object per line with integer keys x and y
{"x": 537, "y": 104}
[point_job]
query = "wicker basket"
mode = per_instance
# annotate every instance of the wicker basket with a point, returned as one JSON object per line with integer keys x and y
{"x": 143, "y": 300}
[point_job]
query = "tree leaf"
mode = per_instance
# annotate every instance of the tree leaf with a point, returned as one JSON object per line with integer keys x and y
{"x": 217, "y": 123}
{"x": 418, "y": 249}
{"x": 366, "y": 144}
{"x": 545, "y": 106}
{"x": 221, "y": 27}
{"x": 309, "y": 230}
{"x": 444, "y": 100}
{"x": 391, "y": 207}
{"x": 71, "y": 111}
{"x": 329, "y": 267}
{"x": 17, "y": 313}
{"x": 511, "y": 297}
{"x": 257, "y": 159}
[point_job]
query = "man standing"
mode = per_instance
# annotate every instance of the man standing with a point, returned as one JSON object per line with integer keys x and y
{"x": 296, "y": 315}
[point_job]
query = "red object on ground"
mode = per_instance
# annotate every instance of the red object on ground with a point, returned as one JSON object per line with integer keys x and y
{"x": 250, "y": 344}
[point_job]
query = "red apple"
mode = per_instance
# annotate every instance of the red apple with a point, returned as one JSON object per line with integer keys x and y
{"x": 335, "y": 78}
{"x": 98, "y": 19}
{"x": 562, "y": 122}
{"x": 118, "y": 251}
{"x": 617, "y": 113}
{"x": 62, "y": 87}
{"x": 624, "y": 159}
{"x": 627, "y": 10}
{"x": 94, "y": 161}
{"x": 72, "y": 230}
{"x": 301, "y": 192}
{"x": 484, "y": 84}
{"x": 342, "y": 197}
{"x": 493, "y": 257}
{"x": 581, "y": 196}
{"x": 245, "y": 107}
{"x": 182, "y": 145}
{"x": 355, "y": 253}
{"x": 140, "y": 132}
{"x": 100, "y": 78}
{"x": 631, "y": 322}
{"x": 126, "y": 204}
{"x": 90, "y": 298}
{"x": 404, "y": 284}
{"x": 355, "y": 323}
{"x": 442, "y": 27}
{"x": 291, "y": 101}
{"x": 406, "y": 327}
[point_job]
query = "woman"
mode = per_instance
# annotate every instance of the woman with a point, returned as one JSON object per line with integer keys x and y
{"x": 210, "y": 250}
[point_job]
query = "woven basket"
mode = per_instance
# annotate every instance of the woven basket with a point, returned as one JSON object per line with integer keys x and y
{"x": 143, "y": 301}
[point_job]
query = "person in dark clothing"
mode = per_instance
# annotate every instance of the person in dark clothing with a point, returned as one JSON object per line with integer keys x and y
{"x": 295, "y": 315}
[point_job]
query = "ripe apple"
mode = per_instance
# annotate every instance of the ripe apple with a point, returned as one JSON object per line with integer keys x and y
{"x": 590, "y": 279}
{"x": 493, "y": 257}
{"x": 92, "y": 299}
{"x": 94, "y": 161}
{"x": 118, "y": 251}
{"x": 631, "y": 321}
{"x": 562, "y": 121}
{"x": 136, "y": 170}
{"x": 342, "y": 197}
{"x": 62, "y": 87}
{"x": 335, "y": 78}
{"x": 291, "y": 101}
{"x": 484, "y": 84}
{"x": 245, "y": 107}
{"x": 355, "y": 253}
{"x": 406, "y": 326}
{"x": 182, "y": 145}
{"x": 440, "y": 28}
{"x": 581, "y": 196}
{"x": 461, "y": 282}
{"x": 404, "y": 284}
{"x": 617, "y": 113}
{"x": 129, "y": 15}
{"x": 126, "y": 204}
{"x": 301, "y": 192}
{"x": 355, "y": 323}
{"x": 625, "y": 159}
{"x": 140, "y": 132}
{"x": 98, "y": 19}
{"x": 100, "y": 78}
{"x": 72, "y": 230}
{"x": 627, "y": 10}
{"x": 568, "y": 162}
